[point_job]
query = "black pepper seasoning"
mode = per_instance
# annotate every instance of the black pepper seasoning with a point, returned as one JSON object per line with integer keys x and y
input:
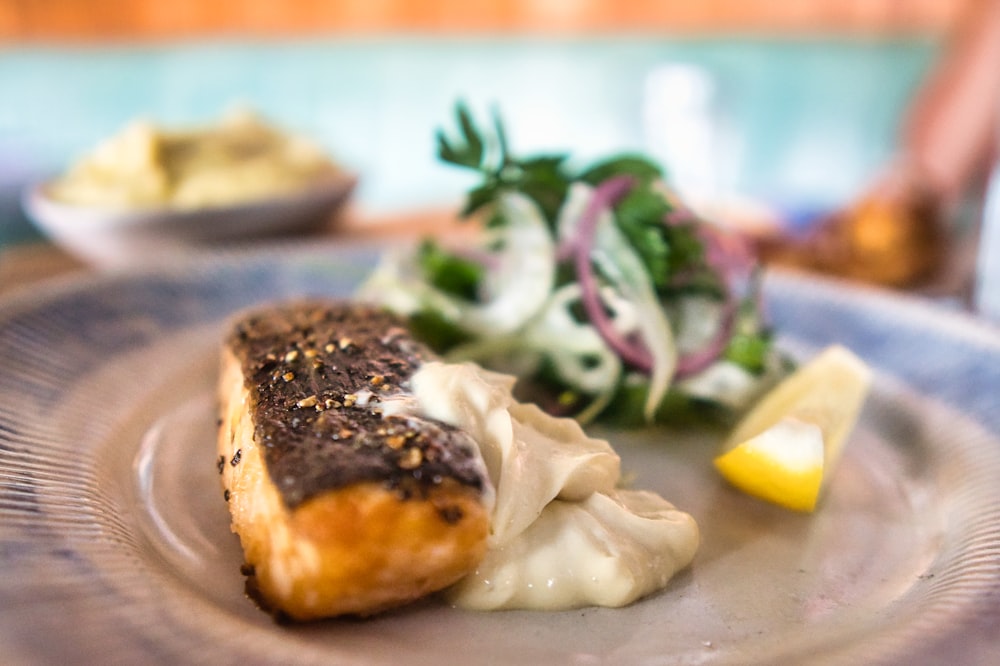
{"x": 317, "y": 415}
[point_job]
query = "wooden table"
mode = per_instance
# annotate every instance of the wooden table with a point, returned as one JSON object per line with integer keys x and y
{"x": 25, "y": 264}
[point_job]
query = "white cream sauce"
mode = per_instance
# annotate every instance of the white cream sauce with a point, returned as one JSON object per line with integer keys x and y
{"x": 563, "y": 534}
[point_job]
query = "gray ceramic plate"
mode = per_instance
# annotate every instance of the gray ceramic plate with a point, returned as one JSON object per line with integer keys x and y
{"x": 114, "y": 536}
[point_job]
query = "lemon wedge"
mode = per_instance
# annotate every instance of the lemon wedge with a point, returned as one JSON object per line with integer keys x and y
{"x": 791, "y": 440}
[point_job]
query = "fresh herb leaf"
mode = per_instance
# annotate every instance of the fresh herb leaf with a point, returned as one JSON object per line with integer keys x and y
{"x": 687, "y": 248}
{"x": 670, "y": 247}
{"x": 435, "y": 331}
{"x": 454, "y": 275}
{"x": 474, "y": 144}
{"x": 468, "y": 151}
{"x": 640, "y": 215}
{"x": 627, "y": 409}
{"x": 479, "y": 197}
{"x": 544, "y": 181}
{"x": 749, "y": 350}
{"x": 700, "y": 282}
{"x": 752, "y": 342}
{"x": 501, "y": 137}
{"x": 641, "y": 169}
{"x": 542, "y": 178}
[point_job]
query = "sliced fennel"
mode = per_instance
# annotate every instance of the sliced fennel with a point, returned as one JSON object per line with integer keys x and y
{"x": 580, "y": 356}
{"x": 516, "y": 289}
{"x": 522, "y": 282}
{"x": 619, "y": 264}
{"x": 596, "y": 287}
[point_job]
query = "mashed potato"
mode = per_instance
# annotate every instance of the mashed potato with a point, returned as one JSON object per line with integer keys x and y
{"x": 237, "y": 160}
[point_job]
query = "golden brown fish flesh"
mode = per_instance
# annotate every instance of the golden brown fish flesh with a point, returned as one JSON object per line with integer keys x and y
{"x": 339, "y": 508}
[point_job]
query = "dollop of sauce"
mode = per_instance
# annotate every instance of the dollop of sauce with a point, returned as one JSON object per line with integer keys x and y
{"x": 564, "y": 535}
{"x": 238, "y": 159}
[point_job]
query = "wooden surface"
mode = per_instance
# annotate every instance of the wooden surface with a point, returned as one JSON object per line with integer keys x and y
{"x": 29, "y": 264}
{"x": 40, "y": 20}
{"x": 26, "y": 265}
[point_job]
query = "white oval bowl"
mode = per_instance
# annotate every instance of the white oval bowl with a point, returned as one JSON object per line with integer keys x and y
{"x": 107, "y": 237}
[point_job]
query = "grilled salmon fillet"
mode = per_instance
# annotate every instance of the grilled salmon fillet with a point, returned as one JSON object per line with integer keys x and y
{"x": 339, "y": 508}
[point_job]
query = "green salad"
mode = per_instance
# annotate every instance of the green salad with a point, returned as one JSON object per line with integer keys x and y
{"x": 597, "y": 287}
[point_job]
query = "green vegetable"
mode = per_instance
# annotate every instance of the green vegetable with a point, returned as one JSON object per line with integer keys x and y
{"x": 439, "y": 333}
{"x": 590, "y": 338}
{"x": 640, "y": 168}
{"x": 449, "y": 273}
{"x": 676, "y": 408}
{"x": 666, "y": 250}
{"x": 541, "y": 178}
{"x": 752, "y": 343}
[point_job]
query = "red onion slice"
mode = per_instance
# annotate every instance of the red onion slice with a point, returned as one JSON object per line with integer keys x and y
{"x": 729, "y": 258}
{"x": 605, "y": 196}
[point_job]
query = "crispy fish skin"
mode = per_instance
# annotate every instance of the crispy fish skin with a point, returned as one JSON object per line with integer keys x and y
{"x": 340, "y": 510}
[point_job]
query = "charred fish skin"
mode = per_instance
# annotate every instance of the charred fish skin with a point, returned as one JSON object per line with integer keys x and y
{"x": 316, "y": 476}
{"x": 317, "y": 374}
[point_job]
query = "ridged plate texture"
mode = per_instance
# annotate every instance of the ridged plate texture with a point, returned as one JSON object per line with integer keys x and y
{"x": 115, "y": 544}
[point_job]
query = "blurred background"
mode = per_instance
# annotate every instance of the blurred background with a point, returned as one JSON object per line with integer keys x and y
{"x": 764, "y": 109}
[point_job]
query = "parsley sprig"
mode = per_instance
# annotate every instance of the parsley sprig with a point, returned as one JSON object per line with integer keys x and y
{"x": 669, "y": 241}
{"x": 542, "y": 178}
{"x": 665, "y": 250}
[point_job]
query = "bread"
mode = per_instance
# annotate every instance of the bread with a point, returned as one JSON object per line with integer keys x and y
{"x": 339, "y": 508}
